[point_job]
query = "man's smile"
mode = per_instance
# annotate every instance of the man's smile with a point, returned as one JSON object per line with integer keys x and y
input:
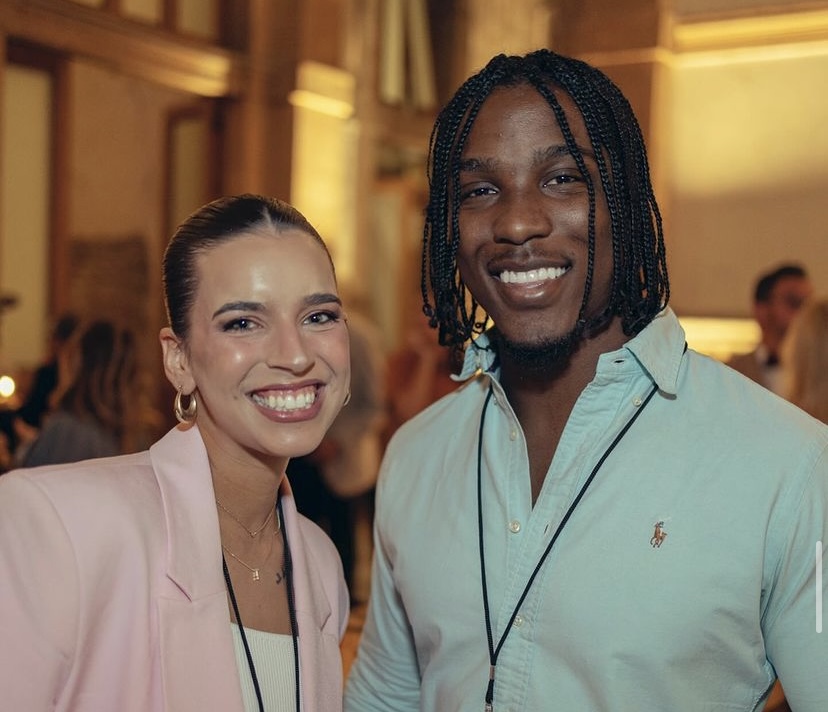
{"x": 532, "y": 275}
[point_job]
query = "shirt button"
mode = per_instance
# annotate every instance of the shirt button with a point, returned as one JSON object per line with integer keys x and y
{"x": 514, "y": 526}
{"x": 518, "y": 621}
{"x": 637, "y": 402}
{"x": 513, "y": 435}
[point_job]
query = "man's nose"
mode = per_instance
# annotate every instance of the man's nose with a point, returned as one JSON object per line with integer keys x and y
{"x": 521, "y": 217}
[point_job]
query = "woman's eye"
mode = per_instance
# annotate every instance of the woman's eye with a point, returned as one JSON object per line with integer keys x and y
{"x": 323, "y": 318}
{"x": 240, "y": 324}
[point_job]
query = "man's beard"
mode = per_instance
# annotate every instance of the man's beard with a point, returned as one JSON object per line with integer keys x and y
{"x": 541, "y": 357}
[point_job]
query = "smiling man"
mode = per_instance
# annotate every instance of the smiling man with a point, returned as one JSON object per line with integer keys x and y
{"x": 598, "y": 518}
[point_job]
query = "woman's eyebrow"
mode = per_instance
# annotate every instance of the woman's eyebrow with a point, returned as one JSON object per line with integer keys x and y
{"x": 238, "y": 306}
{"x": 322, "y": 298}
{"x": 310, "y": 301}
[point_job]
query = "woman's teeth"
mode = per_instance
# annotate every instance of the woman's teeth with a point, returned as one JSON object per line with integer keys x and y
{"x": 298, "y": 400}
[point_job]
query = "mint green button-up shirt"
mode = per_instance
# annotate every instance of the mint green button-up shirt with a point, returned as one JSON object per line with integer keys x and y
{"x": 684, "y": 580}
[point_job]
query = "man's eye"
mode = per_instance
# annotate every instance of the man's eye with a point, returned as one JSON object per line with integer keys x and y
{"x": 476, "y": 191}
{"x": 563, "y": 179}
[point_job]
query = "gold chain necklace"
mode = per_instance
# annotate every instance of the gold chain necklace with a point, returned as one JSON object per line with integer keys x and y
{"x": 255, "y": 532}
{"x": 254, "y": 570}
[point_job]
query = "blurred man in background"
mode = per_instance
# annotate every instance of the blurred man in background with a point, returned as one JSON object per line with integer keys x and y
{"x": 778, "y": 297}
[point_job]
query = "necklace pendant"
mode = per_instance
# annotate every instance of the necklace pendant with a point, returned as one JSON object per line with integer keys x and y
{"x": 255, "y": 574}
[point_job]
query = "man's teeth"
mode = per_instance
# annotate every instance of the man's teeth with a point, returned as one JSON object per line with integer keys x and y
{"x": 532, "y": 275}
{"x": 287, "y": 401}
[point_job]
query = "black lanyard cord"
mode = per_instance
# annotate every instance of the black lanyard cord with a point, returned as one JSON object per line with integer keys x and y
{"x": 247, "y": 652}
{"x": 294, "y": 627}
{"x": 494, "y": 652}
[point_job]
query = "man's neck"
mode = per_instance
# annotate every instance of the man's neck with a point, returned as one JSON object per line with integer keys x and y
{"x": 569, "y": 375}
{"x": 543, "y": 400}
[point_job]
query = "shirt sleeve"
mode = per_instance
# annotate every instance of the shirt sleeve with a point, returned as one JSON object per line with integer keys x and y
{"x": 385, "y": 675}
{"x": 795, "y": 643}
{"x": 38, "y": 598}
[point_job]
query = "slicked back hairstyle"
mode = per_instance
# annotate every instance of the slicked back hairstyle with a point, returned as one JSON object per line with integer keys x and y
{"x": 211, "y": 225}
{"x": 640, "y": 287}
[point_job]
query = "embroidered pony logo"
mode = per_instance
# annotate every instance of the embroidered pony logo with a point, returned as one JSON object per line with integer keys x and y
{"x": 659, "y": 535}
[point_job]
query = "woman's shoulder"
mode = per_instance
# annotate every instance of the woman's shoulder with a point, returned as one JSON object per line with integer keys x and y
{"x": 104, "y": 487}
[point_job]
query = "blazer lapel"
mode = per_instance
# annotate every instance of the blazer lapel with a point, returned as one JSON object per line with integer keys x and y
{"x": 197, "y": 656}
{"x": 318, "y": 632}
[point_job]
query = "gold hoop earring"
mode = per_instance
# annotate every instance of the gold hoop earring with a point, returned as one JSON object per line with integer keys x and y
{"x": 347, "y": 398}
{"x": 185, "y": 415}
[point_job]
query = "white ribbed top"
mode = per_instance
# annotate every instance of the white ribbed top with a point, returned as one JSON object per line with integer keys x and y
{"x": 273, "y": 658}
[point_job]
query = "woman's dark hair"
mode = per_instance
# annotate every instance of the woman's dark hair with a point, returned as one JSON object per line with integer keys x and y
{"x": 104, "y": 370}
{"x": 640, "y": 287}
{"x": 211, "y": 225}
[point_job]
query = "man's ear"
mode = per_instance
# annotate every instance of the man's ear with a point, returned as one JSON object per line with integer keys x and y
{"x": 176, "y": 363}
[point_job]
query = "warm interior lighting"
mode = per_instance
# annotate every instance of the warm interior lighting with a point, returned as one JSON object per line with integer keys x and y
{"x": 329, "y": 106}
{"x": 324, "y": 89}
{"x": 796, "y": 30}
{"x": 720, "y": 338}
{"x": 325, "y": 150}
{"x": 7, "y": 386}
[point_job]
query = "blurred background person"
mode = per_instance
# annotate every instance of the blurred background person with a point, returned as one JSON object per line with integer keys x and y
{"x": 21, "y": 424}
{"x": 778, "y": 296}
{"x": 419, "y": 373}
{"x": 805, "y": 360}
{"x": 45, "y": 379}
{"x": 94, "y": 412}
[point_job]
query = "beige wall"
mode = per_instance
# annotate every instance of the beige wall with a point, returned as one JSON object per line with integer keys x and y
{"x": 24, "y": 224}
{"x": 118, "y": 181}
{"x": 747, "y": 174}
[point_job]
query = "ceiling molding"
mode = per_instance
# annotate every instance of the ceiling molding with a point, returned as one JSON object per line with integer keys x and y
{"x": 754, "y": 31}
{"x": 151, "y": 53}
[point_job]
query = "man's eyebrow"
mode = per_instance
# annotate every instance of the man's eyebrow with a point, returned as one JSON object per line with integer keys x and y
{"x": 559, "y": 150}
{"x": 475, "y": 165}
{"x": 309, "y": 301}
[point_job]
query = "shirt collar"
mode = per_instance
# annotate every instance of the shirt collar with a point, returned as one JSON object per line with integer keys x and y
{"x": 479, "y": 356}
{"x": 658, "y": 348}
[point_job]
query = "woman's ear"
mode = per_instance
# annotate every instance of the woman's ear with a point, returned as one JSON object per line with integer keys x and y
{"x": 176, "y": 363}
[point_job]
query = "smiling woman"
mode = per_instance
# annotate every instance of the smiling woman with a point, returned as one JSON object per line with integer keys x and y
{"x": 221, "y": 589}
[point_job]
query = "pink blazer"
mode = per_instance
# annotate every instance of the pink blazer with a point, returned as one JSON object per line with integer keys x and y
{"x": 112, "y": 595}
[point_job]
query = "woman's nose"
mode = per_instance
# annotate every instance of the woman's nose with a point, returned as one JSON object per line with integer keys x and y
{"x": 289, "y": 349}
